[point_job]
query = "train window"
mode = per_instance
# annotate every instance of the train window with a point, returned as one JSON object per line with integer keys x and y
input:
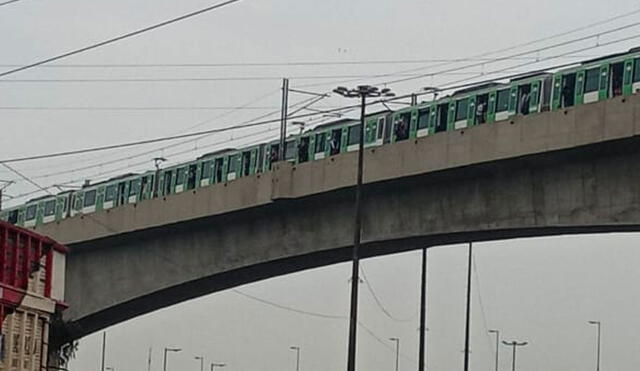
{"x": 180, "y": 176}
{"x": 423, "y": 118}
{"x": 50, "y": 208}
{"x": 31, "y": 212}
{"x": 636, "y": 70}
{"x": 354, "y": 135}
{"x": 321, "y": 141}
{"x": 191, "y": 176}
{"x": 133, "y": 187}
{"x": 205, "y": 172}
{"x": 219, "y": 163}
{"x": 89, "y": 198}
{"x": 110, "y": 193}
{"x": 246, "y": 163}
{"x": 13, "y": 217}
{"x": 502, "y": 103}
{"x": 591, "y": 80}
{"x": 381, "y": 122}
{"x": 232, "y": 164}
{"x": 461, "y": 109}
{"x": 290, "y": 150}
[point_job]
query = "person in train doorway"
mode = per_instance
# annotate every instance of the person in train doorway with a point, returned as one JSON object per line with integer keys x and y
{"x": 524, "y": 103}
{"x": 303, "y": 151}
{"x": 401, "y": 130}
{"x": 334, "y": 145}
{"x": 273, "y": 156}
{"x": 480, "y": 118}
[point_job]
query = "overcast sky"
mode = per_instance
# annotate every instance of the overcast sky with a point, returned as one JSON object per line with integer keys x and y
{"x": 539, "y": 290}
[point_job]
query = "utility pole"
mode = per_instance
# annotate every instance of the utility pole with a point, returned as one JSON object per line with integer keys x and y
{"x": 297, "y": 349}
{"x": 468, "y": 322}
{"x": 362, "y": 92}
{"x": 201, "y": 359}
{"x": 283, "y": 118}
{"x": 167, "y": 350}
{"x": 514, "y": 344}
{"x": 397, "y": 341}
{"x": 104, "y": 347}
{"x": 599, "y": 324}
{"x": 423, "y": 313}
{"x": 497, "y": 332}
{"x": 149, "y": 360}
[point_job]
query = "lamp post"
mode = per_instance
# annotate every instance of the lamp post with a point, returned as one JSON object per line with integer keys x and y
{"x": 201, "y": 359}
{"x": 514, "y": 344}
{"x": 397, "y": 341}
{"x": 297, "y": 349}
{"x": 362, "y": 92}
{"x": 599, "y": 324}
{"x": 110, "y": 368}
{"x": 497, "y": 332}
{"x": 213, "y": 365}
{"x": 167, "y": 350}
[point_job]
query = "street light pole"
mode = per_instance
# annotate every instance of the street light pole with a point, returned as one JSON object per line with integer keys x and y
{"x": 397, "y": 341}
{"x": 167, "y": 350}
{"x": 514, "y": 344}
{"x": 297, "y": 349}
{"x": 423, "y": 313}
{"x": 213, "y": 365}
{"x": 104, "y": 349}
{"x": 468, "y": 320}
{"x": 597, "y": 323}
{"x": 201, "y": 359}
{"x": 497, "y": 332}
{"x": 362, "y": 92}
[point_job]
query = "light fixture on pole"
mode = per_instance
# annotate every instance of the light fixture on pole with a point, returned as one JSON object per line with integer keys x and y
{"x": 300, "y": 125}
{"x": 497, "y": 332}
{"x": 363, "y": 92}
{"x": 397, "y": 341}
{"x": 515, "y": 345}
{"x": 599, "y": 324}
{"x": 201, "y": 359}
{"x": 213, "y": 365}
{"x": 164, "y": 360}
{"x": 297, "y": 349}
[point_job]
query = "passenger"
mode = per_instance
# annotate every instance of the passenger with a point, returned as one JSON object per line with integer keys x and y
{"x": 303, "y": 151}
{"x": 480, "y": 117}
{"x": 524, "y": 104}
{"x": 273, "y": 156}
{"x": 334, "y": 145}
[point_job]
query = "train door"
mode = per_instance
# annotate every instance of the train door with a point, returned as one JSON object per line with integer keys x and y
{"x": 482, "y": 105}
{"x": 353, "y": 138}
{"x": 246, "y": 163}
{"x": 180, "y": 179}
{"x": 192, "y": 175}
{"x": 627, "y": 83}
{"x": 461, "y": 110}
{"x": 388, "y": 129}
{"x": 635, "y": 86}
{"x": 290, "y": 150}
{"x": 617, "y": 79}
{"x": 232, "y": 167}
{"x": 524, "y": 99}
{"x": 502, "y": 105}
{"x": 568, "y": 91}
{"x": 379, "y": 139}
{"x": 335, "y": 142}
{"x": 471, "y": 111}
{"x": 274, "y": 153}
{"x": 402, "y": 127}
{"x": 422, "y": 129}
{"x": 110, "y": 194}
{"x": 218, "y": 170}
{"x": 605, "y": 88}
{"x": 122, "y": 196}
{"x": 166, "y": 184}
{"x": 134, "y": 190}
{"x": 534, "y": 97}
{"x": 443, "y": 117}
{"x": 319, "y": 146}
{"x": 513, "y": 100}
{"x": 205, "y": 173}
{"x": 491, "y": 106}
{"x": 303, "y": 150}
{"x": 591, "y": 86}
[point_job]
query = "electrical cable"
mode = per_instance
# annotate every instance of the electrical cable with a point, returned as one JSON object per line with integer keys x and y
{"x": 119, "y": 38}
{"x": 379, "y": 303}
{"x": 8, "y": 2}
{"x": 479, "y": 292}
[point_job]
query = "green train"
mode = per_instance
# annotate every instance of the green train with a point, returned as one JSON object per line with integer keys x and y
{"x": 587, "y": 82}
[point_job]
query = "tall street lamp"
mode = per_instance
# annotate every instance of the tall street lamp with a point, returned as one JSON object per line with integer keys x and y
{"x": 297, "y": 349}
{"x": 514, "y": 344}
{"x": 167, "y": 350}
{"x": 201, "y": 359}
{"x": 597, "y": 323}
{"x": 213, "y": 365}
{"x": 397, "y": 341}
{"x": 497, "y": 332}
{"x": 362, "y": 92}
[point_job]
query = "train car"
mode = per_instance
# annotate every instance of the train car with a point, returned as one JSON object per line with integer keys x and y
{"x": 597, "y": 79}
{"x": 378, "y": 128}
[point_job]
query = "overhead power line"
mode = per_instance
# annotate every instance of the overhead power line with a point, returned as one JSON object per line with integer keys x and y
{"x": 379, "y": 303}
{"x": 8, "y": 2}
{"x": 119, "y": 38}
{"x": 273, "y": 64}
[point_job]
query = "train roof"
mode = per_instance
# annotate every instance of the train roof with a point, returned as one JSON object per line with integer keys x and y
{"x": 630, "y": 51}
{"x": 476, "y": 88}
{"x": 217, "y": 153}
